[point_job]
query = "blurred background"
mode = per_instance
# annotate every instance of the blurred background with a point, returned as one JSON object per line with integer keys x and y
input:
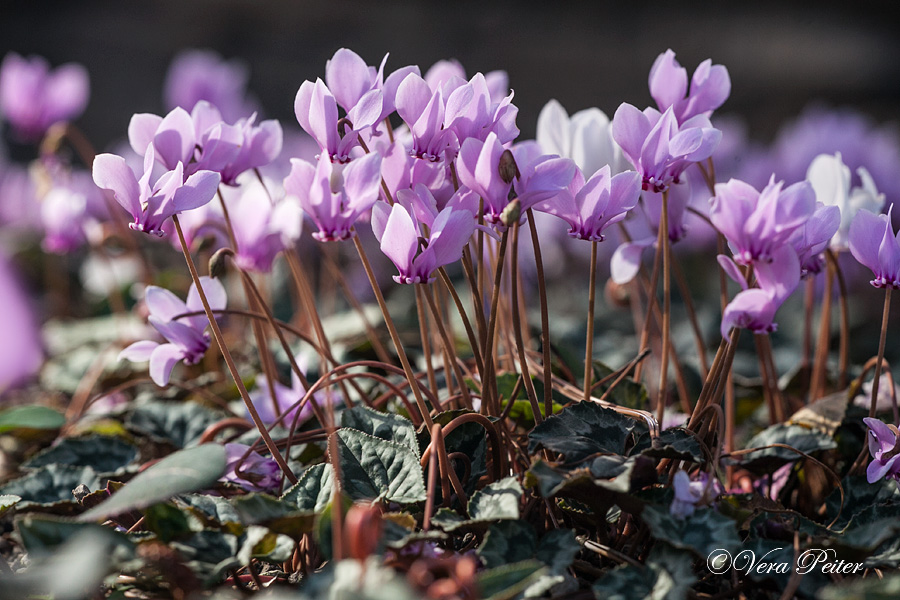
{"x": 781, "y": 55}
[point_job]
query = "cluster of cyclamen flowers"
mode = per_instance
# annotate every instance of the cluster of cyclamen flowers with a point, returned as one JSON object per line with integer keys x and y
{"x": 454, "y": 166}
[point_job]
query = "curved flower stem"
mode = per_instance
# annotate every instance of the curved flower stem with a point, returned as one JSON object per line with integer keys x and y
{"x": 820, "y": 363}
{"x": 470, "y": 333}
{"x": 589, "y": 341}
{"x": 448, "y": 346}
{"x": 667, "y": 308}
{"x": 843, "y": 352}
{"x": 395, "y": 337}
{"x": 432, "y": 481}
{"x": 545, "y": 315}
{"x": 226, "y": 354}
{"x": 426, "y": 341}
{"x": 886, "y": 313}
{"x": 488, "y": 384}
{"x": 379, "y": 349}
{"x": 517, "y": 330}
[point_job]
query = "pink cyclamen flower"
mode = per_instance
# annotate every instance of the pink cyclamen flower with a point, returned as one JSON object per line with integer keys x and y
{"x": 754, "y": 308}
{"x": 262, "y": 227}
{"x": 757, "y": 223}
{"x": 187, "y": 340}
{"x": 151, "y": 205}
{"x": 256, "y": 473}
{"x": 398, "y": 230}
{"x": 597, "y": 203}
{"x": 316, "y": 110}
{"x": 350, "y": 79}
{"x": 335, "y": 195}
{"x": 874, "y": 245}
{"x": 885, "y": 451}
{"x": 33, "y": 97}
{"x": 710, "y": 87}
{"x": 811, "y": 239}
{"x": 659, "y": 147}
{"x": 690, "y": 494}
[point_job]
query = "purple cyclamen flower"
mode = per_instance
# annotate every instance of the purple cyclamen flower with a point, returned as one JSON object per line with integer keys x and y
{"x": 262, "y": 228}
{"x": 469, "y": 112}
{"x": 151, "y": 205}
{"x": 830, "y": 178}
{"x": 287, "y": 397}
{"x": 32, "y": 97}
{"x": 597, "y": 203}
{"x": 187, "y": 340}
{"x": 196, "y": 75}
{"x": 398, "y": 230}
{"x": 172, "y": 137}
{"x": 533, "y": 177}
{"x": 810, "y": 239}
{"x": 255, "y": 473}
{"x": 447, "y": 75}
{"x": 350, "y": 79}
{"x": 316, "y": 110}
{"x": 335, "y": 195}
{"x": 659, "y": 148}
{"x": 260, "y": 145}
{"x": 710, "y": 87}
{"x": 885, "y": 451}
{"x": 689, "y": 494}
{"x": 757, "y": 223}
{"x": 423, "y": 112}
{"x": 874, "y": 245}
{"x": 754, "y": 308}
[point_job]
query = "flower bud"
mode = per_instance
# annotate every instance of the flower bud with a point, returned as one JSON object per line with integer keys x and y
{"x": 511, "y": 213}
{"x": 217, "y": 263}
{"x": 508, "y": 168}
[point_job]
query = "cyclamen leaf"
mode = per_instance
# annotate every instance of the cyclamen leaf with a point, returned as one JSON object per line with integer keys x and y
{"x": 386, "y": 426}
{"x": 499, "y": 500}
{"x": 313, "y": 491}
{"x": 581, "y": 430}
{"x": 373, "y": 468}
{"x": 104, "y": 454}
{"x": 704, "y": 531}
{"x": 52, "y": 483}
{"x": 184, "y": 471}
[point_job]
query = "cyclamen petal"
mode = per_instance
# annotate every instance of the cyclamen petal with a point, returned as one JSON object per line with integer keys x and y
{"x": 874, "y": 245}
{"x": 162, "y": 361}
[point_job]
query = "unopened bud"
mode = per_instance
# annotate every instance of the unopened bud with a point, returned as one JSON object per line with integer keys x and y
{"x": 217, "y": 263}
{"x": 511, "y": 213}
{"x": 508, "y": 168}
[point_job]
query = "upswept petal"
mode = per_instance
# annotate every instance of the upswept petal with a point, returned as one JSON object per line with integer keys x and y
{"x": 866, "y": 234}
{"x": 413, "y": 95}
{"x": 399, "y": 241}
{"x": 391, "y": 84}
{"x": 732, "y": 270}
{"x": 380, "y": 213}
{"x": 626, "y": 260}
{"x": 111, "y": 172}
{"x": 710, "y": 88}
{"x": 362, "y": 180}
{"x": 630, "y": 128}
{"x": 174, "y": 140}
{"x": 780, "y": 276}
{"x": 668, "y": 80}
{"x": 323, "y": 117}
{"x": 752, "y": 309}
{"x": 163, "y": 304}
{"x": 299, "y": 181}
{"x": 451, "y": 232}
{"x": 141, "y": 129}
{"x": 215, "y": 295}
{"x": 138, "y": 351}
{"x": 162, "y": 361}
{"x": 367, "y": 111}
{"x": 348, "y": 77}
{"x": 884, "y": 439}
{"x": 624, "y": 191}
{"x": 199, "y": 189}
